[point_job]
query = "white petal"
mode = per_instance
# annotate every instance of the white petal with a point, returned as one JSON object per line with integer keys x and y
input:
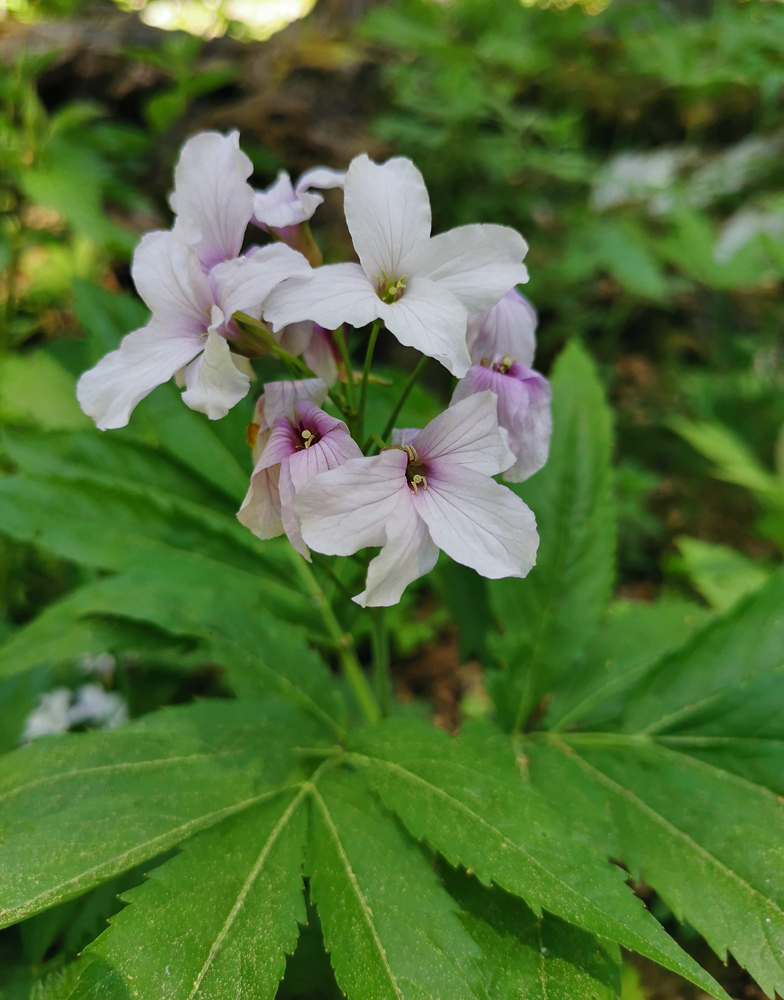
{"x": 242, "y": 284}
{"x": 388, "y": 212}
{"x": 260, "y": 510}
{"x": 279, "y": 397}
{"x": 289, "y": 518}
{"x": 213, "y": 382}
{"x": 322, "y": 178}
{"x": 346, "y": 509}
{"x": 478, "y": 264}
{"x": 319, "y": 355}
{"x": 531, "y": 442}
{"x": 408, "y": 554}
{"x": 169, "y": 278}
{"x": 405, "y": 435}
{"x": 508, "y": 328}
{"x": 211, "y": 196}
{"x": 467, "y": 434}
{"x": 332, "y": 295}
{"x": 278, "y": 204}
{"x": 295, "y": 337}
{"x": 477, "y": 522}
{"x": 145, "y": 359}
{"x": 429, "y": 318}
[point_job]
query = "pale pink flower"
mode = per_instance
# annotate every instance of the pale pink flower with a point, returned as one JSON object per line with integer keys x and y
{"x": 276, "y": 401}
{"x": 315, "y": 344}
{"x": 283, "y": 205}
{"x": 422, "y": 287}
{"x": 523, "y": 410}
{"x": 434, "y": 494}
{"x": 302, "y": 443}
{"x": 190, "y": 326}
{"x": 508, "y": 327}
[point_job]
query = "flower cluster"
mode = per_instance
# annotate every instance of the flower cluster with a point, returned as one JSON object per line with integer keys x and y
{"x": 216, "y": 303}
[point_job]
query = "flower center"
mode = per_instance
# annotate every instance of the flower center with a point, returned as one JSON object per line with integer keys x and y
{"x": 415, "y": 470}
{"x": 390, "y": 291}
{"x": 308, "y": 438}
{"x": 502, "y": 365}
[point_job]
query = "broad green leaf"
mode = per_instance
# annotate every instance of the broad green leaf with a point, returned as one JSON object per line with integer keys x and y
{"x": 758, "y": 760}
{"x": 391, "y": 929}
{"x": 466, "y": 798}
{"x": 215, "y": 922}
{"x": 721, "y": 574}
{"x": 37, "y": 391}
{"x": 18, "y": 696}
{"x": 746, "y": 644}
{"x": 105, "y": 317}
{"x": 631, "y": 639}
{"x": 78, "y": 809}
{"x": 533, "y": 957}
{"x": 547, "y": 618}
{"x": 709, "y": 842}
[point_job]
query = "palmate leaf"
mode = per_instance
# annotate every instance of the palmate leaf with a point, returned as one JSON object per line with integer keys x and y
{"x": 548, "y": 617}
{"x": 392, "y": 931}
{"x": 538, "y": 958}
{"x": 466, "y": 798}
{"x": 217, "y": 921}
{"x": 77, "y": 809}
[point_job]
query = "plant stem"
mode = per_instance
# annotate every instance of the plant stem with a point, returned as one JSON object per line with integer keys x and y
{"x": 412, "y": 381}
{"x": 380, "y": 640}
{"x": 343, "y": 640}
{"x": 340, "y": 338}
{"x": 365, "y": 373}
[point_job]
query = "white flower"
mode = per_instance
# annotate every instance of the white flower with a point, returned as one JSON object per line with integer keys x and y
{"x": 49, "y": 717}
{"x": 282, "y": 205}
{"x": 432, "y": 492}
{"x": 422, "y": 287}
{"x": 508, "y": 327}
{"x": 276, "y": 401}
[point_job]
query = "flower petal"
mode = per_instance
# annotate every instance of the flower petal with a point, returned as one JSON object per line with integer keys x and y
{"x": 169, "y": 278}
{"x": 429, "y": 318}
{"x": 346, "y": 509}
{"x": 242, "y": 284}
{"x": 260, "y": 510}
{"x": 322, "y": 178}
{"x": 320, "y": 355}
{"x": 478, "y": 522}
{"x": 508, "y": 328}
{"x": 332, "y": 295}
{"x": 531, "y": 441}
{"x": 405, "y": 435}
{"x": 388, "y": 213}
{"x": 214, "y": 384}
{"x": 278, "y": 205}
{"x": 211, "y": 196}
{"x": 409, "y": 553}
{"x": 295, "y": 337}
{"x": 467, "y": 434}
{"x": 289, "y": 518}
{"x": 145, "y": 359}
{"x": 279, "y": 397}
{"x": 478, "y": 264}
{"x": 511, "y": 393}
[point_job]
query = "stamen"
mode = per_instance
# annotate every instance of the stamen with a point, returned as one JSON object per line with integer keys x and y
{"x": 418, "y": 481}
{"x": 504, "y": 364}
{"x": 390, "y": 291}
{"x": 308, "y": 438}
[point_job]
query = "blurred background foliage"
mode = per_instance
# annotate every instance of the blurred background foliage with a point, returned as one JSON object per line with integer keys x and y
{"x": 638, "y": 146}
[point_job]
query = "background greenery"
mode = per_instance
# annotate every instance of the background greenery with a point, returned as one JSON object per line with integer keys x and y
{"x": 639, "y": 150}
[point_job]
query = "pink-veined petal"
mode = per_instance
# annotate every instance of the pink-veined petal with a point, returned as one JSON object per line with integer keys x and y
{"x": 279, "y": 397}
{"x": 346, "y": 509}
{"x": 242, "y": 284}
{"x": 531, "y": 441}
{"x": 260, "y": 510}
{"x": 512, "y": 395}
{"x": 429, "y": 318}
{"x": 467, "y": 434}
{"x": 332, "y": 295}
{"x": 214, "y": 383}
{"x": 320, "y": 355}
{"x": 169, "y": 278}
{"x": 478, "y": 522}
{"x": 507, "y": 328}
{"x": 478, "y": 264}
{"x": 388, "y": 213}
{"x": 409, "y": 553}
{"x": 405, "y": 435}
{"x": 278, "y": 205}
{"x": 289, "y": 518}
{"x": 322, "y": 178}
{"x": 281, "y": 444}
{"x": 145, "y": 359}
{"x": 211, "y": 196}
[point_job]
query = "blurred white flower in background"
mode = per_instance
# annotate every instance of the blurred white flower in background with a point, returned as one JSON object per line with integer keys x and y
{"x": 61, "y": 709}
{"x": 636, "y": 177}
{"x": 745, "y": 226}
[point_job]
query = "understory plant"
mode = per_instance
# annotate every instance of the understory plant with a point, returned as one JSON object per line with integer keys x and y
{"x": 624, "y": 745}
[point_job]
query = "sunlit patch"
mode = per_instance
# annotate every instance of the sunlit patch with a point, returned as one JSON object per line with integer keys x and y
{"x": 248, "y": 20}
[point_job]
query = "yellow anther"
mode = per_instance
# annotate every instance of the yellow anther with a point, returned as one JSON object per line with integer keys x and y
{"x": 418, "y": 481}
{"x": 307, "y": 438}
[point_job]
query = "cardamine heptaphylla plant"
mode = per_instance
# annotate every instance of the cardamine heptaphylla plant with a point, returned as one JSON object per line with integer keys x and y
{"x": 623, "y": 742}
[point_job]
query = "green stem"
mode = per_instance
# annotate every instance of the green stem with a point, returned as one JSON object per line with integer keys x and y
{"x": 412, "y": 381}
{"x": 380, "y": 640}
{"x": 343, "y": 640}
{"x": 365, "y": 374}
{"x": 340, "y": 338}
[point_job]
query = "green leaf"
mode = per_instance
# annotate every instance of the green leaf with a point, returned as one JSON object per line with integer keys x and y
{"x": 746, "y": 644}
{"x": 80, "y": 808}
{"x": 629, "y": 642}
{"x": 533, "y": 957}
{"x": 216, "y": 921}
{"x": 708, "y": 841}
{"x": 466, "y": 798}
{"x": 35, "y": 390}
{"x": 721, "y": 574}
{"x": 18, "y": 696}
{"x": 548, "y": 617}
{"x": 391, "y": 929}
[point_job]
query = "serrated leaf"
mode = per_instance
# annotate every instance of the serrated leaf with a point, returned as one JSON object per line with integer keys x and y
{"x": 465, "y": 797}
{"x": 390, "y": 928}
{"x": 533, "y": 957}
{"x": 720, "y": 574}
{"x": 78, "y": 809}
{"x": 548, "y": 617}
{"x": 746, "y": 644}
{"x": 215, "y": 922}
{"x": 709, "y": 842}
